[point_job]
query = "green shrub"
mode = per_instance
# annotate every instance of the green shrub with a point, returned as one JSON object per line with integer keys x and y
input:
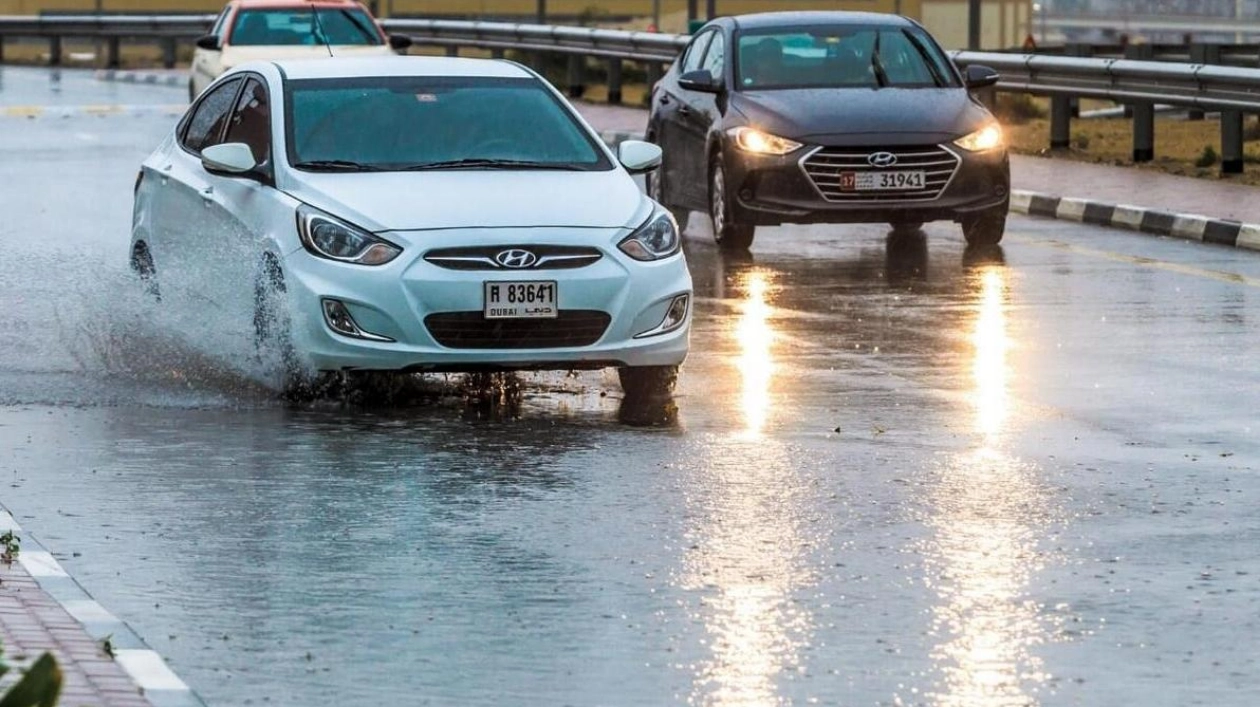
{"x": 1017, "y": 108}
{"x": 1207, "y": 158}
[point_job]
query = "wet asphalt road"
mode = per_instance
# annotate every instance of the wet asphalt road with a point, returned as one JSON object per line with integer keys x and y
{"x": 896, "y": 473}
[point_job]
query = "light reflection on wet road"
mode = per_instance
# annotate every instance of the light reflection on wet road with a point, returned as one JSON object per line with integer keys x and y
{"x": 898, "y": 472}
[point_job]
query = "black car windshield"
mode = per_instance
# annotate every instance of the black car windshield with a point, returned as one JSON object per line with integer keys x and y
{"x": 412, "y": 123}
{"x": 841, "y": 56}
{"x": 302, "y": 27}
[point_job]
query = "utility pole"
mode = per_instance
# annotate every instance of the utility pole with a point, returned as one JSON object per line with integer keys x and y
{"x": 973, "y": 25}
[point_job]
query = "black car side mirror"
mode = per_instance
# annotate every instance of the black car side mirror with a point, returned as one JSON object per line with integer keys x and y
{"x": 399, "y": 42}
{"x": 981, "y": 76}
{"x": 210, "y": 42}
{"x": 700, "y": 80}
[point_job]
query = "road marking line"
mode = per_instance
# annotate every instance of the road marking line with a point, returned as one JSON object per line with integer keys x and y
{"x": 1218, "y": 275}
{"x": 148, "y": 669}
{"x": 23, "y": 111}
{"x": 41, "y": 564}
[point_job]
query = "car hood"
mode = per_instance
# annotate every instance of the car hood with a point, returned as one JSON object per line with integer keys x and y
{"x": 409, "y": 201}
{"x": 232, "y": 56}
{"x": 853, "y": 115}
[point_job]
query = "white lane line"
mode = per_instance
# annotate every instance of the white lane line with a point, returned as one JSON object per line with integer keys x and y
{"x": 148, "y": 669}
{"x": 41, "y": 564}
{"x": 89, "y": 611}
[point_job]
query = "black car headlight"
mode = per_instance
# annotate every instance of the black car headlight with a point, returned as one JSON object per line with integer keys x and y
{"x": 332, "y": 238}
{"x": 986, "y": 138}
{"x": 657, "y": 238}
{"x": 761, "y": 142}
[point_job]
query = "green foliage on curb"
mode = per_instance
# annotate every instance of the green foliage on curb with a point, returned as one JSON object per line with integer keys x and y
{"x": 39, "y": 687}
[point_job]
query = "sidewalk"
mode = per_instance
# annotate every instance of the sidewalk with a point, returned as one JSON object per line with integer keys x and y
{"x": 1166, "y": 194}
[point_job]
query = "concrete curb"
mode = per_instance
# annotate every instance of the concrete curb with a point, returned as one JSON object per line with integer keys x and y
{"x": 153, "y": 78}
{"x": 161, "y": 686}
{"x": 1193, "y": 227}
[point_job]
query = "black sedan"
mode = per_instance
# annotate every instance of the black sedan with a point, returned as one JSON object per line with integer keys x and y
{"x": 827, "y": 117}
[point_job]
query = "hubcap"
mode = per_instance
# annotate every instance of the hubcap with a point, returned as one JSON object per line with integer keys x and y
{"x": 717, "y": 201}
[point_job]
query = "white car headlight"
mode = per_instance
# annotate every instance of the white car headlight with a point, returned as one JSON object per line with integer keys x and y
{"x": 762, "y": 143}
{"x": 657, "y": 238}
{"x": 332, "y": 238}
{"x": 987, "y": 138}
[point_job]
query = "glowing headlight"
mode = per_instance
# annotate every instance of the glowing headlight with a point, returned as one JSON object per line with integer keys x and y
{"x": 334, "y": 239}
{"x": 986, "y": 138}
{"x": 762, "y": 143}
{"x": 656, "y": 239}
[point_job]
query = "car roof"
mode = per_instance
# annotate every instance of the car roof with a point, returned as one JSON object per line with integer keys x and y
{"x": 290, "y": 4}
{"x": 767, "y": 20}
{"x": 385, "y": 66}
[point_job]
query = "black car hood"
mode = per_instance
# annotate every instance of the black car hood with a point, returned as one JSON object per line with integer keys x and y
{"x": 833, "y": 116}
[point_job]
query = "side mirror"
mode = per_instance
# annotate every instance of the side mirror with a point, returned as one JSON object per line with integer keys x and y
{"x": 981, "y": 76}
{"x": 231, "y": 158}
{"x": 700, "y": 80}
{"x": 399, "y": 42}
{"x": 638, "y": 156}
{"x": 210, "y": 42}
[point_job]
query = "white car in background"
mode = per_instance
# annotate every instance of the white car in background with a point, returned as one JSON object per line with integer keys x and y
{"x": 250, "y": 30}
{"x": 415, "y": 214}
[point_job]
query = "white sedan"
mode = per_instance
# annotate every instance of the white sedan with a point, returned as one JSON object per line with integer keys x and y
{"x": 415, "y": 214}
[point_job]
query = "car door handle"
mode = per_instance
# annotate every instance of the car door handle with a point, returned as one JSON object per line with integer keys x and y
{"x": 206, "y": 195}
{"x": 684, "y": 111}
{"x": 665, "y": 99}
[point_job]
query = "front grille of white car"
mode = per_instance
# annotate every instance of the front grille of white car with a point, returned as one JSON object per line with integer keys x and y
{"x": 825, "y": 165}
{"x": 540, "y": 257}
{"x": 471, "y": 330}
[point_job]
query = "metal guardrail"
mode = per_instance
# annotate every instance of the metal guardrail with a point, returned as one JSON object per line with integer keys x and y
{"x": 1140, "y": 83}
{"x": 1153, "y": 24}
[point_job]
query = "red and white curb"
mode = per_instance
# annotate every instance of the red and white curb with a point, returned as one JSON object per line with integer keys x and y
{"x": 160, "y": 685}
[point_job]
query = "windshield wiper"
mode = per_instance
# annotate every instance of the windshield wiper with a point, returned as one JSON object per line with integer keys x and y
{"x": 336, "y": 166}
{"x": 881, "y": 77}
{"x": 483, "y": 163}
{"x": 368, "y": 34}
{"x": 923, "y": 54}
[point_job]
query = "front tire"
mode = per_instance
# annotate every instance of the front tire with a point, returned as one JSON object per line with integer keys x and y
{"x": 273, "y": 335}
{"x": 648, "y": 382}
{"x": 986, "y": 227}
{"x": 729, "y": 235}
{"x": 142, "y": 265}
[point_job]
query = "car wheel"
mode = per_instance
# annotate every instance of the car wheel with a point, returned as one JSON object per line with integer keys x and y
{"x": 657, "y": 191}
{"x": 273, "y": 336}
{"x": 986, "y": 227}
{"x": 728, "y": 234}
{"x": 142, "y": 265}
{"x": 644, "y": 382}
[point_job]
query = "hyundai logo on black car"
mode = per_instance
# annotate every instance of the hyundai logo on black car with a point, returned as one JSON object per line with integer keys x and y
{"x": 826, "y": 117}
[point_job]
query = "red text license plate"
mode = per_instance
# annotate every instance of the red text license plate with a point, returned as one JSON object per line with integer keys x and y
{"x": 882, "y": 181}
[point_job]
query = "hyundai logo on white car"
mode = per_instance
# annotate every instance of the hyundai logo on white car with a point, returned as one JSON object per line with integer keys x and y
{"x": 414, "y": 214}
{"x": 516, "y": 258}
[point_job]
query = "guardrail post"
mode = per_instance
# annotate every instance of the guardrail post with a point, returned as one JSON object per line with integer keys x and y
{"x": 1203, "y": 54}
{"x": 654, "y": 73}
{"x": 54, "y": 51}
{"x": 496, "y": 53}
{"x": 1231, "y": 142}
{"x": 577, "y": 85}
{"x": 1081, "y": 50}
{"x": 1, "y": 49}
{"x": 614, "y": 81}
{"x": 1060, "y": 122}
{"x": 113, "y": 52}
{"x": 168, "y": 53}
{"x": 1143, "y": 113}
{"x": 452, "y": 50}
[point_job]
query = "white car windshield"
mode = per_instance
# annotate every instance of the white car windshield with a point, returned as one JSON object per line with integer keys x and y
{"x": 844, "y": 56}
{"x": 416, "y": 123}
{"x": 304, "y": 27}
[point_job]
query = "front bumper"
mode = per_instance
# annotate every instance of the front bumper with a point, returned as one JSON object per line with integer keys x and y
{"x": 394, "y": 301}
{"x": 768, "y": 190}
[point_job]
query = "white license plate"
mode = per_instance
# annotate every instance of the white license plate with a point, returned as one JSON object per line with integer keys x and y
{"x": 521, "y": 300}
{"x": 882, "y": 181}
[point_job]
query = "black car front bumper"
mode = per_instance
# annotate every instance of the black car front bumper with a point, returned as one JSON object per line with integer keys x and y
{"x": 806, "y": 185}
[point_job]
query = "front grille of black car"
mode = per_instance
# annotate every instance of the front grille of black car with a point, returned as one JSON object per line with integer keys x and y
{"x": 547, "y": 257}
{"x": 471, "y": 330}
{"x": 825, "y": 166}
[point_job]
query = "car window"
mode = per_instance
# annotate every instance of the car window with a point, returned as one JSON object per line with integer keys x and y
{"x": 302, "y": 27}
{"x": 715, "y": 58}
{"x": 205, "y": 126}
{"x": 407, "y": 122}
{"x": 844, "y": 56}
{"x": 695, "y": 52}
{"x": 251, "y": 121}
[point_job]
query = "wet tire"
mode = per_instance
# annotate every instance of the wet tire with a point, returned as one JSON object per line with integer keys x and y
{"x": 985, "y": 228}
{"x": 730, "y": 236}
{"x": 648, "y": 382}
{"x": 655, "y": 189}
{"x": 142, "y": 265}
{"x": 273, "y": 336}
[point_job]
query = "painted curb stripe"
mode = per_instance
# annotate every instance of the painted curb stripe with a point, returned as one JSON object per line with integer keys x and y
{"x": 99, "y": 111}
{"x": 1098, "y": 214}
{"x": 1042, "y": 205}
{"x": 1071, "y": 209}
{"x": 1222, "y": 232}
{"x": 88, "y": 611}
{"x": 1157, "y": 222}
{"x": 40, "y": 564}
{"x": 149, "y": 671}
{"x": 1248, "y": 237}
{"x": 1189, "y": 226}
{"x": 1129, "y": 217}
{"x": 141, "y": 77}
